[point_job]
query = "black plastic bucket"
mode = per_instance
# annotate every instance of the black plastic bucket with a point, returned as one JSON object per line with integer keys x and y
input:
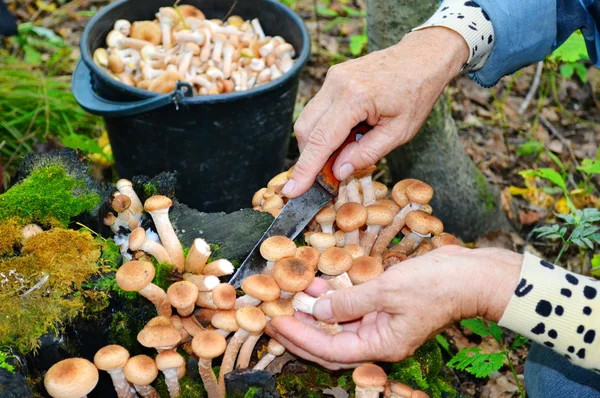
{"x": 223, "y": 147}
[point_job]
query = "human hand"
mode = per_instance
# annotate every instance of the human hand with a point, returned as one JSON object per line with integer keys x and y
{"x": 389, "y": 317}
{"x": 393, "y": 90}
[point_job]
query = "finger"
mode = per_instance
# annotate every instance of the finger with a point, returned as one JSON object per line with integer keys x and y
{"x": 345, "y": 347}
{"x": 329, "y": 133}
{"x": 318, "y": 287}
{"x": 348, "y": 304}
{"x": 310, "y": 116}
{"x": 367, "y": 151}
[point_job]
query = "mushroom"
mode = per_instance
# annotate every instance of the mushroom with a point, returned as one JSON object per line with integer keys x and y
{"x": 158, "y": 207}
{"x": 370, "y": 380}
{"x": 275, "y": 308}
{"x": 167, "y": 17}
{"x": 176, "y": 322}
{"x": 423, "y": 248}
{"x": 189, "y": 50}
{"x": 30, "y": 230}
{"x": 322, "y": 241}
{"x": 422, "y": 226}
{"x": 141, "y": 370}
{"x": 257, "y": 288}
{"x": 381, "y": 190}
{"x": 410, "y": 195}
{"x": 204, "y": 283}
{"x": 191, "y": 325}
{"x": 207, "y": 48}
{"x": 251, "y": 321}
{"x": 224, "y": 321}
{"x": 377, "y": 217}
{"x": 326, "y": 218}
{"x": 444, "y": 239}
{"x": 341, "y": 281}
{"x": 220, "y": 267}
{"x": 364, "y": 269}
{"x": 71, "y": 378}
{"x": 257, "y": 28}
{"x": 138, "y": 241}
{"x": 166, "y": 83}
{"x": 183, "y": 295}
{"x": 159, "y": 336}
{"x": 149, "y": 73}
{"x": 340, "y": 238}
{"x": 123, "y": 26}
{"x": 118, "y": 40}
{"x": 228, "y": 51}
{"x": 189, "y": 11}
{"x": 395, "y": 389}
{"x": 208, "y": 345}
{"x": 219, "y": 40}
{"x": 197, "y": 256}
{"x": 137, "y": 276}
{"x": 366, "y": 182}
{"x": 189, "y": 36}
{"x": 147, "y": 31}
{"x": 292, "y": 275}
{"x": 304, "y": 302}
{"x": 349, "y": 218}
{"x": 335, "y": 261}
{"x": 274, "y": 249}
{"x": 111, "y": 359}
{"x": 308, "y": 255}
{"x": 100, "y": 57}
{"x": 274, "y": 350}
{"x": 352, "y": 190}
{"x": 168, "y": 362}
{"x": 355, "y": 250}
{"x": 392, "y": 257}
{"x": 222, "y": 297}
{"x": 342, "y": 196}
{"x": 235, "y": 20}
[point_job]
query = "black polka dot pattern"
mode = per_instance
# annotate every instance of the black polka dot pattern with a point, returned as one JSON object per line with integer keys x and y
{"x": 572, "y": 279}
{"x": 559, "y": 310}
{"x": 566, "y": 292}
{"x": 580, "y": 329}
{"x": 540, "y": 328}
{"x": 549, "y": 344}
{"x": 589, "y": 336}
{"x": 587, "y": 310}
{"x": 571, "y": 349}
{"x": 523, "y": 288}
{"x": 547, "y": 264}
{"x": 544, "y": 308}
{"x": 553, "y": 334}
{"x": 581, "y": 353}
{"x": 589, "y": 292}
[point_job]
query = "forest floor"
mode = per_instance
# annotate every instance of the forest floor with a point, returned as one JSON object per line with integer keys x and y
{"x": 559, "y": 129}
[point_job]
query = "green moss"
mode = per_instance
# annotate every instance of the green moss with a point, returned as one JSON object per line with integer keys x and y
{"x": 111, "y": 253}
{"x": 10, "y": 237}
{"x": 305, "y": 384}
{"x": 189, "y": 388}
{"x": 252, "y": 391}
{"x": 483, "y": 191}
{"x": 47, "y": 194}
{"x": 120, "y": 332}
{"x": 150, "y": 189}
{"x": 163, "y": 275}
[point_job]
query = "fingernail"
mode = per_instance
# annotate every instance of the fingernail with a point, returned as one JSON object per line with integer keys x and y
{"x": 288, "y": 188}
{"x": 346, "y": 171}
{"x": 322, "y": 309}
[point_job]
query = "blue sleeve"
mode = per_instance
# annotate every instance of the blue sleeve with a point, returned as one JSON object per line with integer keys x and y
{"x": 526, "y": 31}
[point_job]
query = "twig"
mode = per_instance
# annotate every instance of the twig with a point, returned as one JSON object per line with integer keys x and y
{"x": 230, "y": 11}
{"x": 559, "y": 136}
{"x": 534, "y": 87}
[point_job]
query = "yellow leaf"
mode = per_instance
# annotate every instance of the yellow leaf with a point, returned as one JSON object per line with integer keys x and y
{"x": 561, "y": 206}
{"x": 103, "y": 140}
{"x": 517, "y": 191}
{"x": 42, "y": 5}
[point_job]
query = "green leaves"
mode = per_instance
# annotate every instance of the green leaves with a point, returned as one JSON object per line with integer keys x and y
{"x": 530, "y": 148}
{"x": 357, "y": 44}
{"x": 473, "y": 361}
{"x": 519, "y": 341}
{"x": 478, "y": 326}
{"x": 552, "y": 232}
{"x": 547, "y": 174}
{"x": 596, "y": 265}
{"x": 572, "y": 50}
{"x": 590, "y": 166}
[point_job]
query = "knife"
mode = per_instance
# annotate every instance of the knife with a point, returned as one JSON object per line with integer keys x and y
{"x": 298, "y": 212}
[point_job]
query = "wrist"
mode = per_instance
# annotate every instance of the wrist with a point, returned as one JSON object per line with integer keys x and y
{"x": 445, "y": 45}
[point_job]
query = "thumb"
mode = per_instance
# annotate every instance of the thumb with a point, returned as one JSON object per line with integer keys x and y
{"x": 367, "y": 151}
{"x": 347, "y": 304}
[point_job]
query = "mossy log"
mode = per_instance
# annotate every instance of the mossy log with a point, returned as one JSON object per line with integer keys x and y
{"x": 467, "y": 204}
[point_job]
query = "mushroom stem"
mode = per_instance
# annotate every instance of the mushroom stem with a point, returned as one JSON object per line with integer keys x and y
{"x": 388, "y": 233}
{"x": 159, "y": 298}
{"x": 122, "y": 386}
{"x": 342, "y": 194}
{"x": 340, "y": 282}
{"x": 204, "y": 283}
{"x": 158, "y": 207}
{"x": 231, "y": 353}
{"x": 220, "y": 267}
{"x": 352, "y": 191}
{"x": 304, "y": 303}
{"x": 243, "y": 360}
{"x": 172, "y": 382}
{"x": 369, "y": 238}
{"x": 146, "y": 391}
{"x": 209, "y": 379}
{"x": 410, "y": 243}
{"x": 274, "y": 350}
{"x": 197, "y": 256}
{"x": 258, "y": 28}
{"x": 246, "y": 301}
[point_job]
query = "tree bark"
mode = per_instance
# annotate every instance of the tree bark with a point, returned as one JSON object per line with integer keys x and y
{"x": 468, "y": 206}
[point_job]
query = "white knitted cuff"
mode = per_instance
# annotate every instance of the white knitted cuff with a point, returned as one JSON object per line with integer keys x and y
{"x": 559, "y": 309}
{"x": 471, "y": 22}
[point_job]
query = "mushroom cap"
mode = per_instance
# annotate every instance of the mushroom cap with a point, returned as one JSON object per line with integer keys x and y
{"x": 251, "y": 319}
{"x": 367, "y": 172}
{"x": 275, "y": 348}
{"x": 277, "y": 247}
{"x": 326, "y": 215}
{"x": 419, "y": 192}
{"x": 225, "y": 319}
{"x": 165, "y": 83}
{"x": 364, "y": 269}
{"x": 379, "y": 215}
{"x": 444, "y": 239}
{"x": 192, "y": 47}
{"x": 121, "y": 203}
{"x": 159, "y": 336}
{"x": 390, "y": 204}
{"x": 147, "y": 31}
{"x": 188, "y": 10}
{"x": 335, "y": 261}
{"x": 169, "y": 359}
{"x": 209, "y": 344}
{"x": 398, "y": 191}
{"x": 355, "y": 250}
{"x": 182, "y": 294}
{"x": 224, "y": 296}
{"x": 381, "y": 190}
{"x": 309, "y": 255}
{"x": 159, "y": 321}
{"x": 279, "y": 181}
{"x": 123, "y": 183}
{"x": 167, "y": 13}
{"x": 140, "y": 370}
{"x": 351, "y": 216}
{"x": 400, "y": 389}
{"x": 72, "y": 377}
{"x": 369, "y": 376}
{"x": 262, "y": 287}
{"x": 321, "y": 240}
{"x": 279, "y": 307}
{"x": 111, "y": 357}
{"x": 157, "y": 202}
{"x": 424, "y": 223}
{"x": 292, "y": 274}
{"x": 258, "y": 197}
{"x": 340, "y": 238}
{"x": 391, "y": 257}
{"x": 137, "y": 237}
{"x": 135, "y": 275}
{"x": 204, "y": 315}
{"x": 427, "y": 209}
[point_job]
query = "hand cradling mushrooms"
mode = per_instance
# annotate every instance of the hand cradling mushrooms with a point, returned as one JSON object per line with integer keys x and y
{"x": 214, "y": 56}
{"x": 347, "y": 243}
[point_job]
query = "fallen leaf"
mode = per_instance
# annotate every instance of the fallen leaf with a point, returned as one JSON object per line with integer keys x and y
{"x": 530, "y": 217}
{"x": 337, "y": 392}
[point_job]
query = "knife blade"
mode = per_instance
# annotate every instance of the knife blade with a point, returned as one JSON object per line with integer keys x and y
{"x": 298, "y": 212}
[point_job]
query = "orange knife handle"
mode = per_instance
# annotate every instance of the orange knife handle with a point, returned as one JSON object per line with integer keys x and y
{"x": 326, "y": 177}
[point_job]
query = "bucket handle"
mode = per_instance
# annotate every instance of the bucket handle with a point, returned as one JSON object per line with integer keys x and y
{"x": 85, "y": 96}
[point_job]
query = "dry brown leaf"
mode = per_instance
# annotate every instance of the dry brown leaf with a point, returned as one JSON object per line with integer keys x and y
{"x": 530, "y": 217}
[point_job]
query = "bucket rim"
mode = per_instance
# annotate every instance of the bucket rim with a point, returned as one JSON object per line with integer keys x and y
{"x": 299, "y": 63}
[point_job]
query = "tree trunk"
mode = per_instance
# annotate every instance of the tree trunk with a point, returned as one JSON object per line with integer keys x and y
{"x": 463, "y": 200}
